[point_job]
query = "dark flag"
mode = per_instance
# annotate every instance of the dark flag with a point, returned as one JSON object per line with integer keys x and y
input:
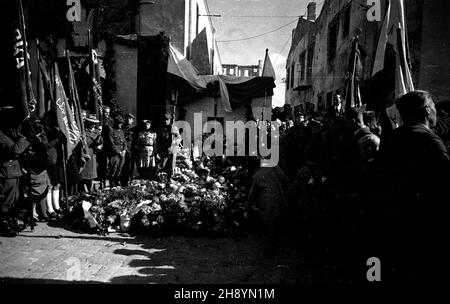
{"x": 65, "y": 116}
{"x": 96, "y": 85}
{"x": 97, "y": 90}
{"x": 394, "y": 35}
{"x": 352, "y": 88}
{"x": 44, "y": 89}
{"x": 74, "y": 102}
{"x": 26, "y": 101}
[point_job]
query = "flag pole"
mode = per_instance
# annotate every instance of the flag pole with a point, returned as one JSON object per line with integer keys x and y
{"x": 66, "y": 187}
{"x": 92, "y": 72}
{"x": 355, "y": 61}
{"x": 66, "y": 195}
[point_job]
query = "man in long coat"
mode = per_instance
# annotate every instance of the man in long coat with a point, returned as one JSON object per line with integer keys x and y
{"x": 12, "y": 145}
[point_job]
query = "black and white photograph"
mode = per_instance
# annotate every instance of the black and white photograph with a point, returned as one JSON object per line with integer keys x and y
{"x": 226, "y": 148}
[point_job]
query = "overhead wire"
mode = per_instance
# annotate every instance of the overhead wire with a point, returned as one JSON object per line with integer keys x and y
{"x": 259, "y": 35}
{"x": 269, "y": 32}
{"x": 252, "y": 16}
{"x": 287, "y": 41}
{"x": 284, "y": 46}
{"x": 289, "y": 38}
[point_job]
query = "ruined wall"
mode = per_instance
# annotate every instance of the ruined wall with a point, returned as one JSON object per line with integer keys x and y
{"x": 199, "y": 38}
{"x": 200, "y": 54}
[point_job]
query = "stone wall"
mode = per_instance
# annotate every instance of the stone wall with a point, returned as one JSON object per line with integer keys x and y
{"x": 329, "y": 75}
{"x": 428, "y": 38}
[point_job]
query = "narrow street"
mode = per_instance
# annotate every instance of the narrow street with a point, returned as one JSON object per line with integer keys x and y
{"x": 47, "y": 256}
{"x": 258, "y": 142}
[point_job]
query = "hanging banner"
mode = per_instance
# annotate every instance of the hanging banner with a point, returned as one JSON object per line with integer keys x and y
{"x": 27, "y": 102}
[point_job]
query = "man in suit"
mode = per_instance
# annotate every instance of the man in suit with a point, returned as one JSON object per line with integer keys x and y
{"x": 422, "y": 163}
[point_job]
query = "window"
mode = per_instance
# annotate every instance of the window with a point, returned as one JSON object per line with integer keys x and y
{"x": 310, "y": 61}
{"x": 255, "y": 70}
{"x": 231, "y": 71}
{"x": 302, "y": 65}
{"x": 333, "y": 31}
{"x": 288, "y": 73}
{"x": 292, "y": 75}
{"x": 319, "y": 99}
{"x": 346, "y": 25}
{"x": 329, "y": 99}
{"x": 246, "y": 73}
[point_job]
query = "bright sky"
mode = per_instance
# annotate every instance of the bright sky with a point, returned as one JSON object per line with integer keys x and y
{"x": 260, "y": 16}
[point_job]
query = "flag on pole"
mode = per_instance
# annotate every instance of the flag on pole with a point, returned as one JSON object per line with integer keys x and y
{"x": 394, "y": 32}
{"x": 352, "y": 91}
{"x": 27, "y": 102}
{"x": 96, "y": 84}
{"x": 44, "y": 86}
{"x": 74, "y": 102}
{"x": 65, "y": 116}
{"x": 268, "y": 70}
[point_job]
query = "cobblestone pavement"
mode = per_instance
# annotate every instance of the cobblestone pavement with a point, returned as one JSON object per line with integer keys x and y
{"x": 52, "y": 255}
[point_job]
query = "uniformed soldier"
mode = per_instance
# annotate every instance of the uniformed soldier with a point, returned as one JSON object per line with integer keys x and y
{"x": 102, "y": 158}
{"x": 115, "y": 149}
{"x": 130, "y": 133}
{"x": 12, "y": 145}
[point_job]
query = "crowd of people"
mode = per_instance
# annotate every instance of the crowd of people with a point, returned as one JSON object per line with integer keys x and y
{"x": 34, "y": 174}
{"x": 354, "y": 190}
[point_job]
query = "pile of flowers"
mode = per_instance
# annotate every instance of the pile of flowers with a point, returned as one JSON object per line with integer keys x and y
{"x": 204, "y": 196}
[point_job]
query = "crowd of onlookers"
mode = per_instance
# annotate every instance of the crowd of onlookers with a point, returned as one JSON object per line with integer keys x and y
{"x": 355, "y": 188}
{"x": 35, "y": 173}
